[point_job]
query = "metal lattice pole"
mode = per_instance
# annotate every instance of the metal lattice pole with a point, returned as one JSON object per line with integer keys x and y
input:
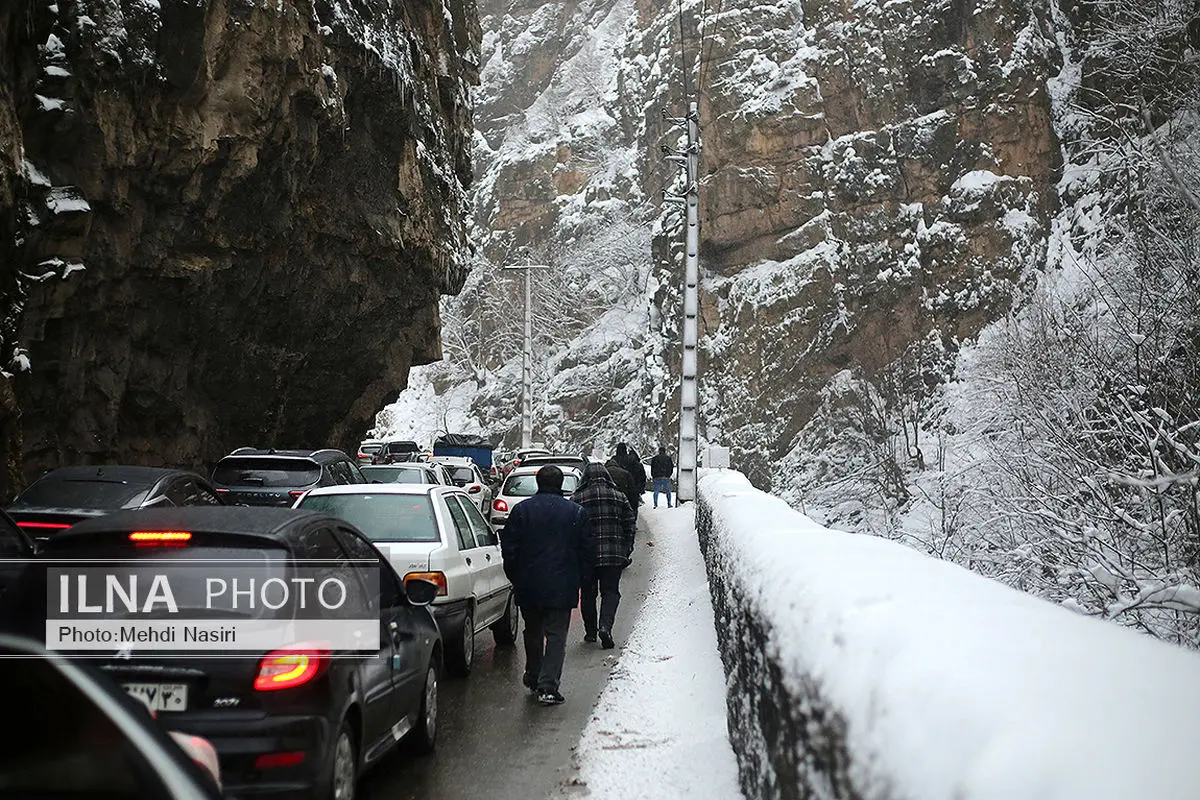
{"x": 688, "y": 396}
{"x": 527, "y": 368}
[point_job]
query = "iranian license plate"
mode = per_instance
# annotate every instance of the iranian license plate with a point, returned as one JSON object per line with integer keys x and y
{"x": 160, "y": 696}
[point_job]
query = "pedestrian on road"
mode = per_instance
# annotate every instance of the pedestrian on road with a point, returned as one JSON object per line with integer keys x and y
{"x": 624, "y": 483}
{"x": 547, "y": 547}
{"x": 613, "y": 524}
{"x": 661, "y": 470}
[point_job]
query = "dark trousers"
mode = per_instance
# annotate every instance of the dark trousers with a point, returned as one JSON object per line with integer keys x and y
{"x": 545, "y": 646}
{"x": 607, "y": 582}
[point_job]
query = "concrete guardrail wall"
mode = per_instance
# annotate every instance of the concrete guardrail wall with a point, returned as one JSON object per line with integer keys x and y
{"x": 860, "y": 668}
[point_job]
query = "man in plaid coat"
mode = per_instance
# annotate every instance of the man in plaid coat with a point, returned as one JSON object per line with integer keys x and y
{"x": 613, "y": 524}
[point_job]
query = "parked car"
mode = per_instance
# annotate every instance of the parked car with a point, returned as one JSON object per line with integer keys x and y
{"x": 435, "y": 533}
{"x": 466, "y": 475}
{"x": 367, "y": 450}
{"x": 397, "y": 450}
{"x": 64, "y": 496}
{"x": 562, "y": 460}
{"x": 79, "y": 735}
{"x": 249, "y": 477}
{"x": 409, "y": 472}
{"x": 15, "y": 547}
{"x": 297, "y": 721}
{"x": 520, "y": 484}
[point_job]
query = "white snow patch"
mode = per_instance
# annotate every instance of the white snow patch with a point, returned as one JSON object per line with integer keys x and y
{"x": 661, "y": 719}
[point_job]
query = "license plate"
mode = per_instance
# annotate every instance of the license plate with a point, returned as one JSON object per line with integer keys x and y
{"x": 160, "y": 696}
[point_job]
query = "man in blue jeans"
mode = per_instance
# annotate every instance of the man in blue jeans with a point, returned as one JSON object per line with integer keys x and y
{"x": 661, "y": 470}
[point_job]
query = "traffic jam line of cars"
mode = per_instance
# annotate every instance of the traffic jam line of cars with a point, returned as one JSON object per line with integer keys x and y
{"x": 297, "y": 721}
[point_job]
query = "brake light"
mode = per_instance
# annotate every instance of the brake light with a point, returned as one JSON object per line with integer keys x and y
{"x": 49, "y": 526}
{"x": 476, "y": 489}
{"x": 269, "y": 760}
{"x": 160, "y": 537}
{"x": 438, "y": 578}
{"x": 296, "y": 493}
{"x": 499, "y": 505}
{"x": 222, "y": 491}
{"x": 290, "y": 667}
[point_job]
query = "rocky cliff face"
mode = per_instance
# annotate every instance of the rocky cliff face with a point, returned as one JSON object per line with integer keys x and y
{"x": 238, "y": 217}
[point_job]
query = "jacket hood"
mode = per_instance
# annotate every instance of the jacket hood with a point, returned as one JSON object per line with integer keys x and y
{"x": 596, "y": 473}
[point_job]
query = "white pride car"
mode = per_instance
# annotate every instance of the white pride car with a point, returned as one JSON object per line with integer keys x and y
{"x": 435, "y": 533}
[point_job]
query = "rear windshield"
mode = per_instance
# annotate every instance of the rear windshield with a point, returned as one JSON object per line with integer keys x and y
{"x": 370, "y": 448}
{"x": 382, "y": 517}
{"x": 526, "y": 485}
{"x": 269, "y": 472}
{"x": 401, "y": 447}
{"x": 88, "y": 493}
{"x": 397, "y": 475}
{"x": 464, "y": 474}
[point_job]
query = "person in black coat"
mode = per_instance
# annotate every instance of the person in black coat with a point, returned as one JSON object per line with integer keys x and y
{"x": 662, "y": 469}
{"x": 627, "y": 459}
{"x": 613, "y": 526}
{"x": 548, "y": 549}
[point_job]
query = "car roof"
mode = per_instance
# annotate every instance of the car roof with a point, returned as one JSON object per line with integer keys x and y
{"x": 534, "y": 470}
{"x": 147, "y": 476}
{"x": 383, "y": 488}
{"x": 269, "y": 522}
{"x": 325, "y": 454}
{"x": 402, "y": 465}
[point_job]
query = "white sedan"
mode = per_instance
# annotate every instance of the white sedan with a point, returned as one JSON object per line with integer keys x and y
{"x": 435, "y": 533}
{"x": 521, "y": 484}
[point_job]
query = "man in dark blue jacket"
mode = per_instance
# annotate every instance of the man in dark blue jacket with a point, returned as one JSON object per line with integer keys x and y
{"x": 548, "y": 548}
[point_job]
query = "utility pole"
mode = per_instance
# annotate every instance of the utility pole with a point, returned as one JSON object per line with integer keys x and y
{"x": 527, "y": 357}
{"x": 689, "y": 159}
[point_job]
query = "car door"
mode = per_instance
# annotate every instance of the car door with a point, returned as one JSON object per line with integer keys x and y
{"x": 400, "y": 624}
{"x": 472, "y": 554}
{"x": 375, "y": 674}
{"x": 488, "y": 545}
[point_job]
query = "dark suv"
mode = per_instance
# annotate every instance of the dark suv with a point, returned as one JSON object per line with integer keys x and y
{"x": 250, "y": 477}
{"x": 397, "y": 451}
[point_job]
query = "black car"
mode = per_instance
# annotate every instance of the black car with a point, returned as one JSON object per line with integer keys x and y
{"x": 249, "y": 477}
{"x": 81, "y": 736}
{"x": 397, "y": 451}
{"x": 64, "y": 496}
{"x": 332, "y": 716}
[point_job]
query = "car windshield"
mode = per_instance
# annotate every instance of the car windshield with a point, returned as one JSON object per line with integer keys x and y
{"x": 463, "y": 475}
{"x": 382, "y": 517}
{"x": 397, "y": 474}
{"x": 526, "y": 485}
{"x": 267, "y": 472}
{"x": 370, "y": 448}
{"x": 88, "y": 493}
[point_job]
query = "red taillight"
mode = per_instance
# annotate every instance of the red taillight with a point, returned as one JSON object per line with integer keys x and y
{"x": 499, "y": 505}
{"x": 160, "y": 537}
{"x": 476, "y": 489}
{"x": 269, "y": 760}
{"x": 437, "y": 578}
{"x": 296, "y": 493}
{"x": 46, "y": 526}
{"x": 222, "y": 491}
{"x": 291, "y": 667}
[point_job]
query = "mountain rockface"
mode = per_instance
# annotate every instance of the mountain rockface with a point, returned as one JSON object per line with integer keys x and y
{"x": 235, "y": 218}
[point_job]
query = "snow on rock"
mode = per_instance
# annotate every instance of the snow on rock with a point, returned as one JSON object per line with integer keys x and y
{"x": 934, "y": 682}
{"x": 660, "y": 723}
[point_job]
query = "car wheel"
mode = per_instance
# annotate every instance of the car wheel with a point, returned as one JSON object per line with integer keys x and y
{"x": 505, "y": 629}
{"x": 462, "y": 652}
{"x": 424, "y": 733}
{"x": 343, "y": 778}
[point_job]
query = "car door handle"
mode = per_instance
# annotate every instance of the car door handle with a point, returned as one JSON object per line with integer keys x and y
{"x": 488, "y": 556}
{"x": 468, "y": 562}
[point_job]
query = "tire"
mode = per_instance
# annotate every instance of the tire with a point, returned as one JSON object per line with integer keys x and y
{"x": 460, "y": 654}
{"x": 505, "y": 629}
{"x": 343, "y": 765}
{"x": 423, "y": 737}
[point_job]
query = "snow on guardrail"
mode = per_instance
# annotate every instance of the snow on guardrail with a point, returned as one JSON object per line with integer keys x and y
{"x": 860, "y": 668}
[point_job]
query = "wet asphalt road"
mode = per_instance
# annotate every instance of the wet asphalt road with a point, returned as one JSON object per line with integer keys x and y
{"x": 495, "y": 742}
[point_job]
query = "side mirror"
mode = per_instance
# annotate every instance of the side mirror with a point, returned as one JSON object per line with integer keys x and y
{"x": 420, "y": 592}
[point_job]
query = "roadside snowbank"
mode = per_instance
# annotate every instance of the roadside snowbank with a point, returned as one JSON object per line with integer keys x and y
{"x": 659, "y": 729}
{"x": 863, "y": 668}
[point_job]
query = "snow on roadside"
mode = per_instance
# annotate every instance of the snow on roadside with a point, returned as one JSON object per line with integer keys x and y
{"x": 659, "y": 728}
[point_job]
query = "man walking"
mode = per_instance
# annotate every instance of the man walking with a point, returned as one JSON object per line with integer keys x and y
{"x": 627, "y": 460}
{"x": 661, "y": 470}
{"x": 547, "y": 547}
{"x": 613, "y": 525}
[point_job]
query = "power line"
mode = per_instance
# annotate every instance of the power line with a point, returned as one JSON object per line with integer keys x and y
{"x": 683, "y": 55}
